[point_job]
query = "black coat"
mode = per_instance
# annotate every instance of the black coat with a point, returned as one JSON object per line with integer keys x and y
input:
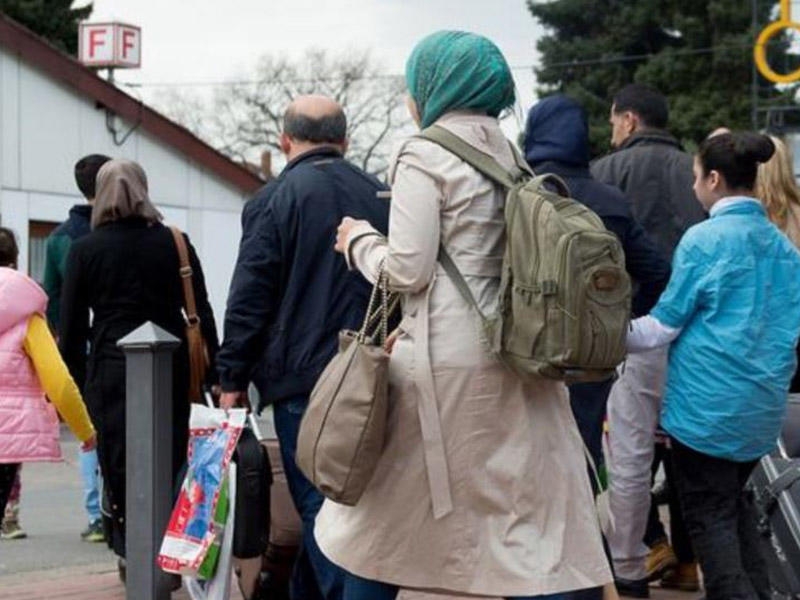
{"x": 656, "y": 174}
{"x": 291, "y": 293}
{"x": 127, "y": 273}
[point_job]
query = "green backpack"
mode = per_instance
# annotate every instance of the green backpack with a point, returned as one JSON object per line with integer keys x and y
{"x": 565, "y": 297}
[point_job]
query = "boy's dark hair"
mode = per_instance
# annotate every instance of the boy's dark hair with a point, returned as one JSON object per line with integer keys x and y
{"x": 327, "y": 129}
{"x": 648, "y": 104}
{"x": 9, "y": 252}
{"x": 86, "y": 173}
{"x": 735, "y": 156}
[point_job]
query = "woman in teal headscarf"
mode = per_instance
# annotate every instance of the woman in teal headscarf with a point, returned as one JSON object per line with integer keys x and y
{"x": 454, "y": 70}
{"x": 481, "y": 485}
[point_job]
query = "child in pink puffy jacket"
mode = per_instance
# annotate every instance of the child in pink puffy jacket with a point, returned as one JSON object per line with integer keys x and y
{"x": 31, "y": 371}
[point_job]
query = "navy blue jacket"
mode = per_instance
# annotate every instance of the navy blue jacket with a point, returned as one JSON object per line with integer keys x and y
{"x": 557, "y": 141}
{"x": 291, "y": 293}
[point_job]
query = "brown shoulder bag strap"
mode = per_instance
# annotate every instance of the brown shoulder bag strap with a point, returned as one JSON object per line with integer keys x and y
{"x": 186, "y": 277}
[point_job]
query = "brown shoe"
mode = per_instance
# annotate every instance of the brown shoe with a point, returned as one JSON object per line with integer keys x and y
{"x": 683, "y": 577}
{"x": 660, "y": 560}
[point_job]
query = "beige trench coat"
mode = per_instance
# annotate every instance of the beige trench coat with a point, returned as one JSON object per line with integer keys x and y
{"x": 482, "y": 485}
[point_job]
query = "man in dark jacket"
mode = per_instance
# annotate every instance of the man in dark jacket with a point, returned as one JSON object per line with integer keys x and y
{"x": 291, "y": 294}
{"x": 652, "y": 169}
{"x": 57, "y": 248}
{"x": 75, "y": 227}
{"x": 557, "y": 141}
{"x": 650, "y": 166}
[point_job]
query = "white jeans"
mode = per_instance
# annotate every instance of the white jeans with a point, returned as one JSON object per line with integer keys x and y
{"x": 633, "y": 413}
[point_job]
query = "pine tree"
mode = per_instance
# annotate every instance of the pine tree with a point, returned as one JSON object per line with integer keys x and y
{"x": 697, "y": 52}
{"x": 54, "y": 20}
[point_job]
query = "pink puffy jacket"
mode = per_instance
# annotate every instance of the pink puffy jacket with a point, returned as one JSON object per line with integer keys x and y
{"x": 29, "y": 427}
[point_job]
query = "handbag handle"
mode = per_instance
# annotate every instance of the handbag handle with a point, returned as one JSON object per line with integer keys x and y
{"x": 190, "y": 305}
{"x": 385, "y": 306}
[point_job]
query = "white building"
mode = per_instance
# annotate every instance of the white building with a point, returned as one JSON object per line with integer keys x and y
{"x": 53, "y": 111}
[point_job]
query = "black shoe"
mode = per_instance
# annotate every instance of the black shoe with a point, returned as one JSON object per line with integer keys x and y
{"x": 632, "y": 588}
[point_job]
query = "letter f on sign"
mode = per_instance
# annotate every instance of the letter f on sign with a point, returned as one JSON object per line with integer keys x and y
{"x": 127, "y": 41}
{"x": 96, "y": 39}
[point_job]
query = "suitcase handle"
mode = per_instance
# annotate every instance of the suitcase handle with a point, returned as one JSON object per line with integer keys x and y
{"x": 782, "y": 483}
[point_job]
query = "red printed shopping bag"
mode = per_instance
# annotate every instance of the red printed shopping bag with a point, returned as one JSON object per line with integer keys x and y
{"x": 191, "y": 543}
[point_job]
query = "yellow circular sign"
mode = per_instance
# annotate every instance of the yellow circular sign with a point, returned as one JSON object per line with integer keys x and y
{"x": 770, "y": 31}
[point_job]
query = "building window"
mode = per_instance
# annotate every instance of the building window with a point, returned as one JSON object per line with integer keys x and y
{"x": 37, "y": 236}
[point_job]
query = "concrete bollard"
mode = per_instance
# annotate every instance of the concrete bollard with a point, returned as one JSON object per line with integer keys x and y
{"x": 148, "y": 442}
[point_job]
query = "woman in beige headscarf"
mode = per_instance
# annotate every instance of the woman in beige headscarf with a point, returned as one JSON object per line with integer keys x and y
{"x": 777, "y": 188}
{"x": 122, "y": 193}
{"x": 126, "y": 272}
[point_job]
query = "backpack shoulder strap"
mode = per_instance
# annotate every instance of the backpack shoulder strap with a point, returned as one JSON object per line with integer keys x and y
{"x": 458, "y": 280}
{"x": 479, "y": 160}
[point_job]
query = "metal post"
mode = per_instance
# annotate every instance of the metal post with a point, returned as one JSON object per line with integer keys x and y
{"x": 148, "y": 443}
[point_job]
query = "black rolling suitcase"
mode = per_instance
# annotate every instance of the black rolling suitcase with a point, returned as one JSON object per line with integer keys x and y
{"x": 253, "y": 480}
{"x": 775, "y": 483}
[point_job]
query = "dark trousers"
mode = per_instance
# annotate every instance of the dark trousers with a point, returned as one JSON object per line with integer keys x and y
{"x": 8, "y": 472}
{"x": 589, "y": 402}
{"x": 314, "y": 576}
{"x": 356, "y": 588}
{"x": 721, "y": 522}
{"x": 679, "y": 537}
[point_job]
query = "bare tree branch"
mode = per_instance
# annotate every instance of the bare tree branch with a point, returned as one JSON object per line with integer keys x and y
{"x": 243, "y": 120}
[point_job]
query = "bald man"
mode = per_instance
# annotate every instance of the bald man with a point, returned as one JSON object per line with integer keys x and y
{"x": 291, "y": 294}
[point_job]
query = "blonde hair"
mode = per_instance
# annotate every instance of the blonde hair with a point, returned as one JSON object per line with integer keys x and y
{"x": 776, "y": 186}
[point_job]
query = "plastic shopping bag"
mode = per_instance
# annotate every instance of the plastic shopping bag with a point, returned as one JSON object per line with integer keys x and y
{"x": 192, "y": 541}
{"x": 219, "y": 586}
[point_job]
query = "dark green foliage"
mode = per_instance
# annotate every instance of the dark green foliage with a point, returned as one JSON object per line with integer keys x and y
{"x": 705, "y": 71}
{"x": 54, "y": 20}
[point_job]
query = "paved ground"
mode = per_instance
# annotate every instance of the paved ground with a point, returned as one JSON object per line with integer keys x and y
{"x": 53, "y": 516}
{"x": 100, "y": 582}
{"x": 54, "y": 564}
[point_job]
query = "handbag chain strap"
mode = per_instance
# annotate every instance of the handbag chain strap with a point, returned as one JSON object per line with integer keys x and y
{"x": 379, "y": 314}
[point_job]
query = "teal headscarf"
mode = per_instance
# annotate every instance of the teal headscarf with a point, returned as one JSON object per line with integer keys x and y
{"x": 450, "y": 70}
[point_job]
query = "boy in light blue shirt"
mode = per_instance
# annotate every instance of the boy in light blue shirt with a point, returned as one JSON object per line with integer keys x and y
{"x": 731, "y": 313}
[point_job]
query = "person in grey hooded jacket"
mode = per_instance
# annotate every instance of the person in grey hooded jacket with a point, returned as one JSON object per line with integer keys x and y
{"x": 652, "y": 169}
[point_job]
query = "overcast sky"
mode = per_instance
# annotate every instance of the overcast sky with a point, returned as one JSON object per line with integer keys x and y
{"x": 214, "y": 40}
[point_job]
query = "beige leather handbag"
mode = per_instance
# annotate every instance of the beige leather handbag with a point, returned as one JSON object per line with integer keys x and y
{"x": 342, "y": 432}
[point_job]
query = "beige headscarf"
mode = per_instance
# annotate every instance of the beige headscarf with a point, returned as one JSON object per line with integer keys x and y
{"x": 122, "y": 192}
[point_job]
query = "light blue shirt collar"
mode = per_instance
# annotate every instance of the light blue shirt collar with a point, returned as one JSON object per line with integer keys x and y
{"x": 729, "y": 201}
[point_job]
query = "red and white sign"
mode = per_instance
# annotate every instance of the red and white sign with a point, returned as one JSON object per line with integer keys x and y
{"x": 110, "y": 45}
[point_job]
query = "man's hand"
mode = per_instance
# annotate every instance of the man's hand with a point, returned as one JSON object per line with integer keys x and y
{"x": 89, "y": 444}
{"x": 233, "y": 400}
{"x": 216, "y": 392}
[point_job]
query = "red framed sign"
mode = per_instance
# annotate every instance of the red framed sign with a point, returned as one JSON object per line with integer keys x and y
{"x": 110, "y": 45}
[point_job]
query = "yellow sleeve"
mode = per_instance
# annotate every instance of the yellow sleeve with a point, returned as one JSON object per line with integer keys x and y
{"x": 55, "y": 378}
